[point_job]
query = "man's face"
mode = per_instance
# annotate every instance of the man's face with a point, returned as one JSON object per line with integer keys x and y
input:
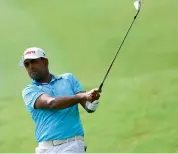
{"x": 36, "y": 68}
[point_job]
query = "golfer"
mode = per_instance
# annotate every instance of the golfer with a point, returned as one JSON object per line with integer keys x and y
{"x": 52, "y": 102}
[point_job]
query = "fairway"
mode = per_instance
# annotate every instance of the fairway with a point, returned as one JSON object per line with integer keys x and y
{"x": 138, "y": 110}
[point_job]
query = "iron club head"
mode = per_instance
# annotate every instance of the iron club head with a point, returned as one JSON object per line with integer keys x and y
{"x": 137, "y": 4}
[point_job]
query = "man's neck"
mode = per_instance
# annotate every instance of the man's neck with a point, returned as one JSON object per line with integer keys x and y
{"x": 46, "y": 79}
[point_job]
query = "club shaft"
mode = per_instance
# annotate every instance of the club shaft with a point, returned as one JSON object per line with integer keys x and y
{"x": 102, "y": 83}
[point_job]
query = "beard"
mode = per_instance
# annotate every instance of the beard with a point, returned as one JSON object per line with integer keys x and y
{"x": 36, "y": 75}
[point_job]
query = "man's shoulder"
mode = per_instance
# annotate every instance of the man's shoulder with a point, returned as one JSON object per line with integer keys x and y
{"x": 65, "y": 75}
{"x": 30, "y": 87}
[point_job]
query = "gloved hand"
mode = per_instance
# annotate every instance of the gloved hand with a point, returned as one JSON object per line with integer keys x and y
{"x": 92, "y": 106}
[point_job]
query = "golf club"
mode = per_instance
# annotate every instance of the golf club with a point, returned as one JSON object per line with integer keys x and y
{"x": 137, "y": 4}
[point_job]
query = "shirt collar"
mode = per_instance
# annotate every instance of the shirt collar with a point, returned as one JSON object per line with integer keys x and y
{"x": 53, "y": 78}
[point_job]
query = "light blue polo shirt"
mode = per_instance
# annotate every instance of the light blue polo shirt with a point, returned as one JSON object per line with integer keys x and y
{"x": 53, "y": 124}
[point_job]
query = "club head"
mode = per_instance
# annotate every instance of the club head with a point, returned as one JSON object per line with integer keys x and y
{"x": 137, "y": 4}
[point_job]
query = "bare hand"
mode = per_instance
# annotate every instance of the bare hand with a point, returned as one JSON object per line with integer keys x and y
{"x": 93, "y": 94}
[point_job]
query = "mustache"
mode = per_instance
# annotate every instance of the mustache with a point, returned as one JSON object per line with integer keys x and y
{"x": 34, "y": 70}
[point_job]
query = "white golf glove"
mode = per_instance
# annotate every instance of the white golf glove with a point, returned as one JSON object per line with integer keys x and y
{"x": 91, "y": 107}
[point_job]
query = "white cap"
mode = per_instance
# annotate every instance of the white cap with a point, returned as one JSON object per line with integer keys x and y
{"x": 32, "y": 53}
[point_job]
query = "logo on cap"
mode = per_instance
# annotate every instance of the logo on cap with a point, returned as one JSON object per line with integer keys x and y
{"x": 29, "y": 52}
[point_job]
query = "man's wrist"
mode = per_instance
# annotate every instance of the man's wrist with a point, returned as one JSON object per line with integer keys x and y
{"x": 82, "y": 97}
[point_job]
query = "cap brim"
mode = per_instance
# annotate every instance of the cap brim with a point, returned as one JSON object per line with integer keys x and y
{"x": 21, "y": 62}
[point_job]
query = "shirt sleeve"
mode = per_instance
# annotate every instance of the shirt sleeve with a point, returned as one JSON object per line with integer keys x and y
{"x": 77, "y": 87}
{"x": 30, "y": 95}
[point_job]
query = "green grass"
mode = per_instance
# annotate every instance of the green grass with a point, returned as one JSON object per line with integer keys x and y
{"x": 138, "y": 109}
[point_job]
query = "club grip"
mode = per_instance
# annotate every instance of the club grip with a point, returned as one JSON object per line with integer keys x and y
{"x": 101, "y": 85}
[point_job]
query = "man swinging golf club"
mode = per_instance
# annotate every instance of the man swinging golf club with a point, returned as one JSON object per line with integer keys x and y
{"x": 53, "y": 104}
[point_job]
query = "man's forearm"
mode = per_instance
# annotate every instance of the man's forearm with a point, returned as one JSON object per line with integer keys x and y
{"x": 45, "y": 101}
{"x": 65, "y": 102}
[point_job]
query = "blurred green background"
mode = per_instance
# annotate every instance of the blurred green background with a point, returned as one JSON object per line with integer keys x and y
{"x": 138, "y": 110}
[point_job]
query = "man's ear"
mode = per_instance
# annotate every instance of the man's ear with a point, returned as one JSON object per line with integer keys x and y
{"x": 46, "y": 62}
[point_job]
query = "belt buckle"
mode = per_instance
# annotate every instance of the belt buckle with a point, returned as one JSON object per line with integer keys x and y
{"x": 57, "y": 142}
